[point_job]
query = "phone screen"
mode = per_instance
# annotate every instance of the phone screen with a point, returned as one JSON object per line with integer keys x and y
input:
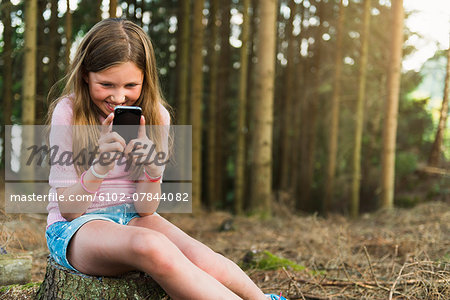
{"x": 126, "y": 121}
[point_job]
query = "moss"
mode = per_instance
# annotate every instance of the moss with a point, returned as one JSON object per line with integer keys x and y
{"x": 267, "y": 261}
{"x": 21, "y": 286}
{"x": 406, "y": 201}
{"x": 30, "y": 285}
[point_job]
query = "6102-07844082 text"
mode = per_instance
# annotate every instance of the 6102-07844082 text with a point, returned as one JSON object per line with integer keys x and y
{"x": 103, "y": 197}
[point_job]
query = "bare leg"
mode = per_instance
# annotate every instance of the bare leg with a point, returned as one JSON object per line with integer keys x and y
{"x": 105, "y": 248}
{"x": 221, "y": 268}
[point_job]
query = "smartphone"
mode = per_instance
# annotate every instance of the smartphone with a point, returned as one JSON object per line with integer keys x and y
{"x": 126, "y": 121}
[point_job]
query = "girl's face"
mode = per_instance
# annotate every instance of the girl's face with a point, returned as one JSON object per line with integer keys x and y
{"x": 117, "y": 85}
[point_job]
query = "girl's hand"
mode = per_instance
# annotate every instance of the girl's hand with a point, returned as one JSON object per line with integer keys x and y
{"x": 141, "y": 150}
{"x": 110, "y": 144}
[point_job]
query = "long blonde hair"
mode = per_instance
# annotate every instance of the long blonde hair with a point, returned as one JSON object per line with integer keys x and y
{"x": 109, "y": 43}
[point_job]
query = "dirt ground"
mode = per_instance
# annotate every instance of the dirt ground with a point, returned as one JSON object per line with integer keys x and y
{"x": 401, "y": 254}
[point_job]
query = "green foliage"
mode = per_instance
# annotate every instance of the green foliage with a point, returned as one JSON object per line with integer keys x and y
{"x": 439, "y": 189}
{"x": 267, "y": 261}
{"x": 25, "y": 286}
{"x": 406, "y": 201}
{"x": 405, "y": 164}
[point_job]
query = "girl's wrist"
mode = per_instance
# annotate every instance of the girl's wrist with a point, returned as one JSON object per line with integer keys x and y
{"x": 100, "y": 169}
{"x": 100, "y": 174}
{"x": 83, "y": 184}
{"x": 153, "y": 172}
{"x": 152, "y": 178}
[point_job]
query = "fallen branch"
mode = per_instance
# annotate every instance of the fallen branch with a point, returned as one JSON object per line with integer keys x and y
{"x": 434, "y": 171}
{"x": 391, "y": 292}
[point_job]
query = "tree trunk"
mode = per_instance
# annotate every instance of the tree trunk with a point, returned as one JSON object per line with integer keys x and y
{"x": 391, "y": 109}
{"x": 300, "y": 98}
{"x": 222, "y": 99}
{"x": 212, "y": 114}
{"x": 29, "y": 79}
{"x": 196, "y": 96}
{"x": 309, "y": 122}
{"x": 142, "y": 6}
{"x": 98, "y": 11}
{"x": 62, "y": 283}
{"x": 334, "y": 124}
{"x": 359, "y": 122}
{"x": 436, "y": 150}
{"x": 261, "y": 185}
{"x": 113, "y": 8}
{"x": 183, "y": 61}
{"x": 54, "y": 39}
{"x": 251, "y": 95}
{"x": 134, "y": 16}
{"x": 29, "y": 83}
{"x": 287, "y": 129}
{"x": 68, "y": 31}
{"x": 239, "y": 181}
{"x": 42, "y": 75}
{"x": 7, "y": 72}
{"x": 15, "y": 269}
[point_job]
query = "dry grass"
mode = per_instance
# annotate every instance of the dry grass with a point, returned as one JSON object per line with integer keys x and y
{"x": 402, "y": 254}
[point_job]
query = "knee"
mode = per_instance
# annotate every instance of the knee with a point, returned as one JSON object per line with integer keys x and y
{"x": 155, "y": 249}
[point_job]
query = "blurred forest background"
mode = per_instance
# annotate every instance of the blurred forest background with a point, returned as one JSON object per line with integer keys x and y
{"x": 301, "y": 104}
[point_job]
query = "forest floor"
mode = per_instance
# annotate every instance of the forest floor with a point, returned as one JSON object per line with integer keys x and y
{"x": 400, "y": 254}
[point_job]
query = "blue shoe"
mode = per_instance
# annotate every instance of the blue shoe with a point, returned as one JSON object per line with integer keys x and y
{"x": 275, "y": 297}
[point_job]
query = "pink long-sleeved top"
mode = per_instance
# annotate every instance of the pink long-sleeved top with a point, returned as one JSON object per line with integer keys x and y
{"x": 117, "y": 182}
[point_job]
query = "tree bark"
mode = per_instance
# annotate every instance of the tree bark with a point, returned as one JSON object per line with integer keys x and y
{"x": 212, "y": 111}
{"x": 261, "y": 185}
{"x": 184, "y": 10}
{"x": 222, "y": 99}
{"x": 436, "y": 149}
{"x": 41, "y": 85}
{"x": 391, "y": 108}
{"x": 7, "y": 72}
{"x": 29, "y": 79}
{"x": 62, "y": 283}
{"x": 54, "y": 39}
{"x": 68, "y": 31}
{"x": 309, "y": 126}
{"x": 196, "y": 96}
{"x": 113, "y": 8}
{"x": 359, "y": 122}
{"x": 334, "y": 124}
{"x": 98, "y": 12}
{"x": 287, "y": 129}
{"x": 239, "y": 181}
{"x": 15, "y": 269}
{"x": 251, "y": 94}
{"x": 296, "y": 145}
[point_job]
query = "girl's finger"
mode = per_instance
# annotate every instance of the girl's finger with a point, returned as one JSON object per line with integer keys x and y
{"x": 141, "y": 131}
{"x": 114, "y": 137}
{"x": 133, "y": 144}
{"x": 106, "y": 125}
{"x": 115, "y": 146}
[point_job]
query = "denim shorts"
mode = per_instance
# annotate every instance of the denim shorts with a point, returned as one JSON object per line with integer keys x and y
{"x": 59, "y": 233}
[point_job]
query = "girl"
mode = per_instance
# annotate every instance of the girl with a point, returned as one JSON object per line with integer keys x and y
{"x": 115, "y": 65}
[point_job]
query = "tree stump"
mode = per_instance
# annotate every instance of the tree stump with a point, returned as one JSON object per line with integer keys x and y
{"x": 62, "y": 283}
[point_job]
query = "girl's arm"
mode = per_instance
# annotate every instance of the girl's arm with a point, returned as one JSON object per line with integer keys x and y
{"x": 152, "y": 192}
{"x": 148, "y": 192}
{"x": 76, "y": 198}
